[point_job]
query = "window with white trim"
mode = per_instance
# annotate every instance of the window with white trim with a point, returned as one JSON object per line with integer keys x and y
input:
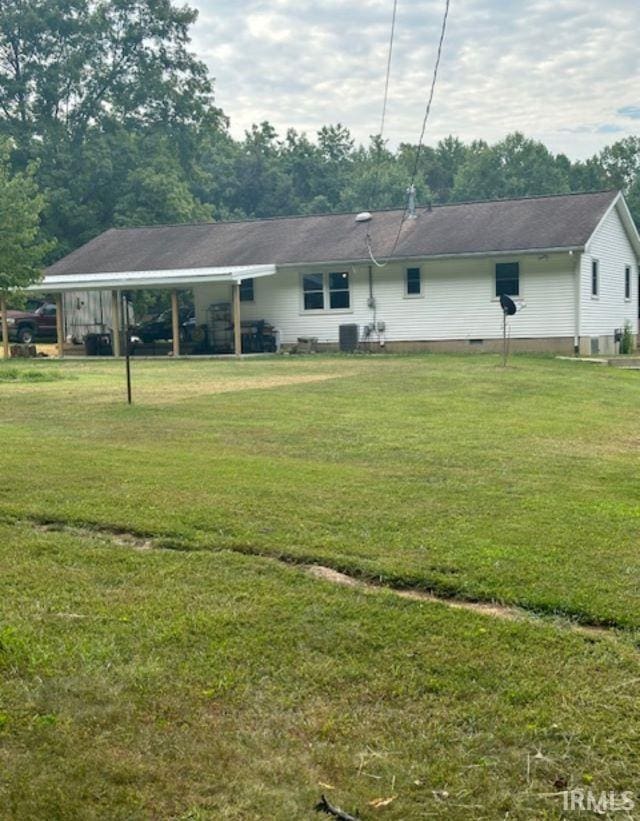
{"x": 326, "y": 291}
{"x": 595, "y": 277}
{"x": 413, "y": 282}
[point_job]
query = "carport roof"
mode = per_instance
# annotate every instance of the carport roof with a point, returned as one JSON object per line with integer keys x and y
{"x": 502, "y": 226}
{"x": 137, "y": 280}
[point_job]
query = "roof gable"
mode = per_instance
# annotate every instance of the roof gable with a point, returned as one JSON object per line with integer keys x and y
{"x": 537, "y": 223}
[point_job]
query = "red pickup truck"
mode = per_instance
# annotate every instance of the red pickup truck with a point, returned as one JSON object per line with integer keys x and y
{"x": 29, "y": 326}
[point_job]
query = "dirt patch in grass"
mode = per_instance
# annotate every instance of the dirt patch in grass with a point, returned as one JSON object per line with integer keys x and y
{"x": 492, "y": 609}
{"x": 178, "y": 392}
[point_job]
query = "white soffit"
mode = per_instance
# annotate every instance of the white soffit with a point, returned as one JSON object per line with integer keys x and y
{"x": 132, "y": 280}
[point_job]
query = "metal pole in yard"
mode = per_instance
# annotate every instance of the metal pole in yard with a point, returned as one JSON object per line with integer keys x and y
{"x": 504, "y": 338}
{"x": 126, "y": 336}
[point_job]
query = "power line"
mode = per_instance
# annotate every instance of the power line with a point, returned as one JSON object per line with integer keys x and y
{"x": 389, "y": 57}
{"x": 434, "y": 81}
{"x": 433, "y": 89}
{"x": 385, "y": 100}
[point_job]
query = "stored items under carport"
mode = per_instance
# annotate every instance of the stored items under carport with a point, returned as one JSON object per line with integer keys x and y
{"x": 98, "y": 345}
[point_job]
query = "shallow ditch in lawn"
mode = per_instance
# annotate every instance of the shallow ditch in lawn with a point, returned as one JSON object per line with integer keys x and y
{"x": 490, "y": 609}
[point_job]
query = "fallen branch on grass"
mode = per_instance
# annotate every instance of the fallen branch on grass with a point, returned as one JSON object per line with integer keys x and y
{"x": 324, "y": 806}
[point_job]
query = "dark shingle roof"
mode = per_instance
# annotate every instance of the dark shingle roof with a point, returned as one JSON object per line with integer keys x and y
{"x": 565, "y": 221}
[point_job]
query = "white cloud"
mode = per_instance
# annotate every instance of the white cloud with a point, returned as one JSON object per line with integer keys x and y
{"x": 564, "y": 71}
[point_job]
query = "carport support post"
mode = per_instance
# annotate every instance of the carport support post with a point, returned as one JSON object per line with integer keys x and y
{"x": 175, "y": 323}
{"x": 237, "y": 329}
{"x": 5, "y": 326}
{"x": 115, "y": 322}
{"x": 60, "y": 325}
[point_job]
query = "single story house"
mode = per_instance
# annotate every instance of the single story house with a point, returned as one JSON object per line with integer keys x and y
{"x": 430, "y": 279}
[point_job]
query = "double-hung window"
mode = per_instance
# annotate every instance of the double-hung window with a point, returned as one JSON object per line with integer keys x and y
{"x": 413, "y": 284}
{"x": 508, "y": 278}
{"x": 326, "y": 291}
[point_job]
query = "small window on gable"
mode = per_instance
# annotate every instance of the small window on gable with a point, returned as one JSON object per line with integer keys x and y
{"x": 246, "y": 290}
{"x": 595, "y": 276}
{"x": 627, "y": 282}
{"x": 413, "y": 282}
{"x": 508, "y": 278}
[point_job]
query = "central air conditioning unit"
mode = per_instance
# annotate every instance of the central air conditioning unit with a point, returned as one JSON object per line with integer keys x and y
{"x": 348, "y": 335}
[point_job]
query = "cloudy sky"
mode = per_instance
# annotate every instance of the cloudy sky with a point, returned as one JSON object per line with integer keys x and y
{"x": 564, "y": 71}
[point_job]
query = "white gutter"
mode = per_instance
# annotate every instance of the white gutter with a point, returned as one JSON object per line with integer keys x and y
{"x": 471, "y": 255}
{"x": 135, "y": 280}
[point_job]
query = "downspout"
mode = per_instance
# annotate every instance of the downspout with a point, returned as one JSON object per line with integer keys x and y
{"x": 577, "y": 299}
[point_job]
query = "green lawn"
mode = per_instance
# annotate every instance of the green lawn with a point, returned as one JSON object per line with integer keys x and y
{"x": 210, "y": 681}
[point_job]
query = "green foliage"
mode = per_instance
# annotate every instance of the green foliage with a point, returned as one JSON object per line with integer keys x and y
{"x": 627, "y": 341}
{"x": 514, "y": 167}
{"x": 21, "y": 247}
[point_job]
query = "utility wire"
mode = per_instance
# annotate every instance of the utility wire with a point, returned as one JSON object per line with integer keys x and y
{"x": 385, "y": 101}
{"x": 390, "y": 55}
{"x": 434, "y": 81}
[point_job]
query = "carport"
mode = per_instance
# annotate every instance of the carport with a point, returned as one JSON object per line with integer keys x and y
{"x": 117, "y": 283}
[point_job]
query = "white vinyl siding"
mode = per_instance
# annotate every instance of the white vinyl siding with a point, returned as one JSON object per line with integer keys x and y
{"x": 461, "y": 301}
{"x": 610, "y": 246}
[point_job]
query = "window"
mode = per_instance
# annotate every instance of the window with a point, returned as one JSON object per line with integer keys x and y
{"x": 627, "y": 282}
{"x": 414, "y": 283}
{"x": 508, "y": 278}
{"x": 320, "y": 291}
{"x": 594, "y": 277}
{"x": 313, "y": 290}
{"x": 246, "y": 290}
{"x": 339, "y": 290}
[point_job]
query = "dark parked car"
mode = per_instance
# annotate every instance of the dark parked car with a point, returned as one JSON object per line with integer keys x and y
{"x": 29, "y": 326}
{"x": 160, "y": 327}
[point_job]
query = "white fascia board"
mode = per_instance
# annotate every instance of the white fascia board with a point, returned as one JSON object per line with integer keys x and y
{"x": 629, "y": 223}
{"x": 135, "y": 280}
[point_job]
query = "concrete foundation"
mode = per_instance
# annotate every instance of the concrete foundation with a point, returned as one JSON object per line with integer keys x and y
{"x": 552, "y": 345}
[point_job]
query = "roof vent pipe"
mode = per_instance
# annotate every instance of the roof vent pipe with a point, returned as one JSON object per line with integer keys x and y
{"x": 411, "y": 207}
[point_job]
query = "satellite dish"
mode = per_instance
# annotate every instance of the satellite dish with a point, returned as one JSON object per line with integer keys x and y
{"x": 508, "y": 306}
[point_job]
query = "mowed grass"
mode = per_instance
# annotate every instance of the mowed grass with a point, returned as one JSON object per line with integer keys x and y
{"x": 199, "y": 685}
{"x": 207, "y": 680}
{"x": 449, "y": 473}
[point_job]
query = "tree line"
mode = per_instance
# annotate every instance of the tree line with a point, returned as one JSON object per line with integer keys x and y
{"x": 107, "y": 119}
